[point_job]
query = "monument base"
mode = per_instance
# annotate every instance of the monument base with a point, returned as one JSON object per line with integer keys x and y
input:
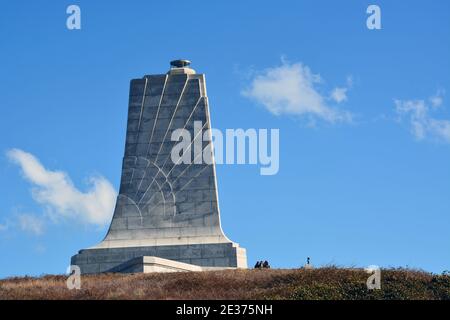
{"x": 207, "y": 256}
{"x": 147, "y": 264}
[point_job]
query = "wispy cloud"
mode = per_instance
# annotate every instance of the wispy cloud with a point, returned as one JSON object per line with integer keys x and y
{"x": 292, "y": 89}
{"x": 339, "y": 94}
{"x": 31, "y": 224}
{"x": 3, "y": 227}
{"x": 437, "y": 99}
{"x": 423, "y": 124}
{"x": 40, "y": 248}
{"x": 56, "y": 192}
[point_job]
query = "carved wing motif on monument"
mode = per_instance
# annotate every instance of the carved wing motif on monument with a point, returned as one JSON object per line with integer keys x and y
{"x": 148, "y": 187}
{"x": 151, "y": 182}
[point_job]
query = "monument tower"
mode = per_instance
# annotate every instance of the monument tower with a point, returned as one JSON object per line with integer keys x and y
{"x": 167, "y": 214}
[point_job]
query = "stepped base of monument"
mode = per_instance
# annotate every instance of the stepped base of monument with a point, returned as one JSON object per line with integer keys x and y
{"x": 208, "y": 256}
{"x": 147, "y": 264}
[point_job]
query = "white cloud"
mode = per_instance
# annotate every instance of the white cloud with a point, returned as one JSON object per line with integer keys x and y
{"x": 3, "y": 227}
{"x": 292, "y": 89}
{"x": 437, "y": 99}
{"x": 31, "y": 224}
{"x": 422, "y": 123}
{"x": 61, "y": 198}
{"x": 339, "y": 94}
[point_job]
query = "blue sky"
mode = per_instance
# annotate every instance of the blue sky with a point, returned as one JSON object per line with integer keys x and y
{"x": 370, "y": 190}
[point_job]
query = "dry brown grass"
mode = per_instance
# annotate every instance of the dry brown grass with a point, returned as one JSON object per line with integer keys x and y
{"x": 322, "y": 283}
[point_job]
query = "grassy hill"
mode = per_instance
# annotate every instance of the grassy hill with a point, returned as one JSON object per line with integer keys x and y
{"x": 321, "y": 283}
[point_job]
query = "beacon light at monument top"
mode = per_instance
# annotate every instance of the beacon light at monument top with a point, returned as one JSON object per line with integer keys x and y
{"x": 167, "y": 214}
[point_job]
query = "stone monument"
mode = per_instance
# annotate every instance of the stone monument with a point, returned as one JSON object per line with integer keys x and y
{"x": 167, "y": 214}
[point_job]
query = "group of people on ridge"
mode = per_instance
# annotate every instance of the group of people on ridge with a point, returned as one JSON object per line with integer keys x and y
{"x": 262, "y": 265}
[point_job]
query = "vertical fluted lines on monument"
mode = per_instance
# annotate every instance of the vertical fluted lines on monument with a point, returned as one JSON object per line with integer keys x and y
{"x": 151, "y": 181}
{"x": 143, "y": 182}
{"x": 191, "y": 182}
